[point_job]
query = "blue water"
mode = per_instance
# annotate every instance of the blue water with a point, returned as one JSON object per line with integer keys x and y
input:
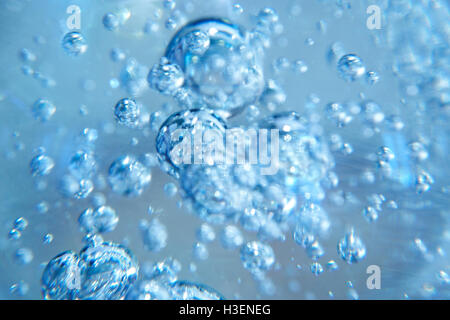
{"x": 97, "y": 99}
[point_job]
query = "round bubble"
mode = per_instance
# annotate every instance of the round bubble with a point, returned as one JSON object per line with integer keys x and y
{"x": 41, "y": 165}
{"x": 128, "y": 177}
{"x": 82, "y": 164}
{"x": 74, "y": 43}
{"x": 108, "y": 271}
{"x": 257, "y": 256}
{"x": 351, "y": 67}
{"x": 43, "y": 110}
{"x": 185, "y": 290}
{"x": 177, "y": 134}
{"x": 351, "y": 248}
{"x": 61, "y": 277}
{"x": 101, "y": 219}
{"x": 127, "y": 112}
{"x": 222, "y": 70}
{"x": 148, "y": 290}
{"x": 303, "y": 158}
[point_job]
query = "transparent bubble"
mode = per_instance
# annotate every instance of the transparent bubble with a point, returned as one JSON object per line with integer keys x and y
{"x": 351, "y": 248}
{"x": 82, "y": 165}
{"x": 304, "y": 159}
{"x": 385, "y": 154}
{"x": 26, "y": 55}
{"x": 178, "y": 131}
{"x": 268, "y": 18}
{"x": 24, "y": 255}
{"x": 42, "y": 207}
{"x": 224, "y": 72}
{"x": 76, "y": 188}
{"x": 315, "y": 250}
{"x": 370, "y": 213}
{"x": 372, "y": 77}
{"x": 20, "y": 223}
{"x": 154, "y": 235}
{"x": 316, "y": 268}
{"x": 231, "y": 237}
{"x": 108, "y": 271}
{"x": 117, "y": 55}
{"x": 20, "y": 288}
{"x": 200, "y": 251}
{"x": 300, "y": 66}
{"x": 332, "y": 265}
{"x": 74, "y": 43}
{"x": 257, "y": 256}
{"x": 101, "y": 219}
{"x": 273, "y": 96}
{"x": 148, "y": 290}
{"x": 43, "y": 110}
{"x": 237, "y": 9}
{"x": 351, "y": 67}
{"x": 127, "y": 112}
{"x": 165, "y": 272}
{"x": 48, "y": 238}
{"x": 214, "y": 194}
{"x": 170, "y": 189}
{"x": 196, "y": 42}
{"x": 303, "y": 236}
{"x": 93, "y": 239}
{"x": 128, "y": 177}
{"x": 60, "y": 279}
{"x": 205, "y": 233}
{"x": 41, "y": 165}
{"x": 133, "y": 77}
{"x": 111, "y": 22}
{"x": 270, "y": 230}
{"x": 252, "y": 219}
{"x": 166, "y": 77}
{"x": 14, "y": 234}
{"x": 184, "y": 290}
{"x": 337, "y": 113}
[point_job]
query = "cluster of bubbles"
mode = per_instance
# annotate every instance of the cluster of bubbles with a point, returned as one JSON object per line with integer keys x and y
{"x": 210, "y": 63}
{"x": 128, "y": 176}
{"x": 160, "y": 282}
{"x": 102, "y": 271}
{"x": 269, "y": 205}
{"x": 213, "y": 69}
{"x": 99, "y": 220}
{"x": 78, "y": 183}
{"x": 31, "y": 68}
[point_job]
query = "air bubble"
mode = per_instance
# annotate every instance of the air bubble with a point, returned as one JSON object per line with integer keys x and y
{"x": 101, "y": 219}
{"x": 128, "y": 177}
{"x": 351, "y": 248}
{"x": 166, "y": 77}
{"x": 227, "y": 75}
{"x": 127, "y": 112}
{"x": 74, "y": 43}
{"x": 257, "y": 256}
{"x": 351, "y": 67}
{"x": 231, "y": 237}
{"x": 154, "y": 235}
{"x": 111, "y": 22}
{"x": 316, "y": 268}
{"x": 43, "y": 110}
{"x": 41, "y": 165}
